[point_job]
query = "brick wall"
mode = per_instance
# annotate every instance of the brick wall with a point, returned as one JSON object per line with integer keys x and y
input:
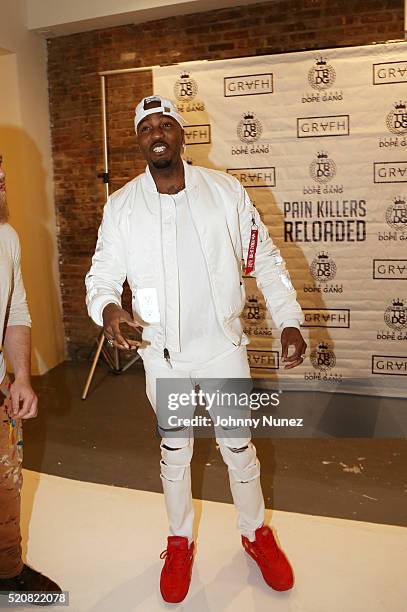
{"x": 74, "y": 63}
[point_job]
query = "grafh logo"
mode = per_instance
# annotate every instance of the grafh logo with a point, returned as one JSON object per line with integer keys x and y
{"x": 263, "y": 360}
{"x": 249, "y": 128}
{"x": 323, "y": 357}
{"x": 396, "y": 120}
{"x": 253, "y": 309}
{"x": 396, "y": 215}
{"x": 395, "y": 315}
{"x": 390, "y": 72}
{"x": 323, "y": 268}
{"x": 185, "y": 88}
{"x": 322, "y": 75}
{"x": 322, "y": 169}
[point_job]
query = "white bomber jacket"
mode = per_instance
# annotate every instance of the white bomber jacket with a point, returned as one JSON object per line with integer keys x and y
{"x": 131, "y": 244}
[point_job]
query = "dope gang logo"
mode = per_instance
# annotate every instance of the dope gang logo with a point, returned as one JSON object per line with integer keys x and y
{"x": 254, "y": 311}
{"x": 395, "y": 315}
{"x": 185, "y": 88}
{"x": 396, "y": 218}
{"x": 322, "y": 75}
{"x": 396, "y": 120}
{"x": 396, "y": 215}
{"x": 323, "y": 268}
{"x": 254, "y": 317}
{"x": 323, "y": 358}
{"x": 249, "y": 128}
{"x": 322, "y": 169}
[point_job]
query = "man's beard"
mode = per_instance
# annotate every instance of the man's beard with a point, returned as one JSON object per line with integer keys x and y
{"x": 3, "y": 207}
{"x": 161, "y": 164}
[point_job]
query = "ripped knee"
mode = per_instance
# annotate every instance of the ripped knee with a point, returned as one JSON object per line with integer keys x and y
{"x": 175, "y": 460}
{"x": 242, "y": 462}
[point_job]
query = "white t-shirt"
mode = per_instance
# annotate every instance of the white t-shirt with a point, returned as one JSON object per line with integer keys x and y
{"x": 13, "y": 304}
{"x": 201, "y": 336}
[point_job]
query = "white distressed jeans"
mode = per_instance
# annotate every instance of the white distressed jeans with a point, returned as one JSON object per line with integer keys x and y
{"x": 239, "y": 453}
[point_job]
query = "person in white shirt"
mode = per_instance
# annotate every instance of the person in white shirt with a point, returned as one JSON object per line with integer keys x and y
{"x": 17, "y": 402}
{"x": 179, "y": 235}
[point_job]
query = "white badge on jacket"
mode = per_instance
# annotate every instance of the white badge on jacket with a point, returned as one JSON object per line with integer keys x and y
{"x": 148, "y": 304}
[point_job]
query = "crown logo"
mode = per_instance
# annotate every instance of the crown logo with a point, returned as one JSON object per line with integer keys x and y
{"x": 400, "y": 105}
{"x": 248, "y": 116}
{"x": 398, "y": 303}
{"x": 185, "y": 75}
{"x": 322, "y": 155}
{"x": 322, "y": 346}
{"x": 321, "y": 61}
{"x": 252, "y": 299}
{"x": 323, "y": 255}
{"x": 399, "y": 201}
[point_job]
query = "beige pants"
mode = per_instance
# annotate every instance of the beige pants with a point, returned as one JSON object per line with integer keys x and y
{"x": 11, "y": 456}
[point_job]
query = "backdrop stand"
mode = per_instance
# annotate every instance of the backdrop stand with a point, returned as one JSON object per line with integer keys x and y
{"x": 113, "y": 362}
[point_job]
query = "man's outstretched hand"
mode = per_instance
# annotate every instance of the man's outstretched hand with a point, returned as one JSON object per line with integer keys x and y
{"x": 113, "y": 317}
{"x": 291, "y": 336}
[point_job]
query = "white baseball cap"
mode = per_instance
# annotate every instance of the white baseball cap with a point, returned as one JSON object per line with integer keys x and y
{"x": 166, "y": 108}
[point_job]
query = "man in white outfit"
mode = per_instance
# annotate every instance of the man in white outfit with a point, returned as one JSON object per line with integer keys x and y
{"x": 179, "y": 234}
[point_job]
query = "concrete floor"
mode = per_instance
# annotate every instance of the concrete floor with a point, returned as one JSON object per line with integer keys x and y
{"x": 110, "y": 439}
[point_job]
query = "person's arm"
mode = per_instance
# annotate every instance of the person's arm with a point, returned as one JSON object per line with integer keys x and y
{"x": 104, "y": 283}
{"x": 274, "y": 281}
{"x": 17, "y": 345}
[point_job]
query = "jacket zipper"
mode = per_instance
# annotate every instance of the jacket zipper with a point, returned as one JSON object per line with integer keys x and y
{"x": 166, "y": 352}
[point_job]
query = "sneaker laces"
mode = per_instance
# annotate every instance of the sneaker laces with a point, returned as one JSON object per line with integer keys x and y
{"x": 267, "y": 546}
{"x": 175, "y": 559}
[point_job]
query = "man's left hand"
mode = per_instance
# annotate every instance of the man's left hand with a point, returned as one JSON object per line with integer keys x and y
{"x": 291, "y": 336}
{"x": 23, "y": 401}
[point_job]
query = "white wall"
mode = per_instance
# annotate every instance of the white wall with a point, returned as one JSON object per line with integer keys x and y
{"x": 26, "y": 149}
{"x": 54, "y": 12}
{"x": 69, "y": 16}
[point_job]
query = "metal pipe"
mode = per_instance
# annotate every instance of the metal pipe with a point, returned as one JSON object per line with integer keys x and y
{"x": 104, "y": 127}
{"x": 125, "y": 70}
{"x": 211, "y": 61}
{"x": 148, "y": 68}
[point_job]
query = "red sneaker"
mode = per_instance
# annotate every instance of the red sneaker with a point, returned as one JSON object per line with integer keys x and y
{"x": 270, "y": 558}
{"x": 177, "y": 570}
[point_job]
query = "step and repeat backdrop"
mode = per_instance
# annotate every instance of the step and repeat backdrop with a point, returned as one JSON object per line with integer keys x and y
{"x": 319, "y": 140}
